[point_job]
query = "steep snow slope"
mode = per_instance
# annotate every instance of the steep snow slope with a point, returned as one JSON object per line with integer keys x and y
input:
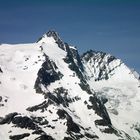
{"x": 47, "y": 91}
{"x": 113, "y": 80}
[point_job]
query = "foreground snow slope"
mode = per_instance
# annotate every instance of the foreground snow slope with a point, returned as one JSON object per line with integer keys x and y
{"x": 48, "y": 91}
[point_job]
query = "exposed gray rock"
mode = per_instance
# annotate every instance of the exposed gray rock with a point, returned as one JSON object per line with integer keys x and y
{"x": 18, "y": 137}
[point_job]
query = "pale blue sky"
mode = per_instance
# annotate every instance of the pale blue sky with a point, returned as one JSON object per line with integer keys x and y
{"x": 112, "y": 26}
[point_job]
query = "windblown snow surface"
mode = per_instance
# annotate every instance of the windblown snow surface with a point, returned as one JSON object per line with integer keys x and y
{"x": 49, "y": 92}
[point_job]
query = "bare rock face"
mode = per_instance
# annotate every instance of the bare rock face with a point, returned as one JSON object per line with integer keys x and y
{"x": 18, "y": 137}
{"x": 1, "y": 70}
{"x": 101, "y": 64}
{"x": 47, "y": 74}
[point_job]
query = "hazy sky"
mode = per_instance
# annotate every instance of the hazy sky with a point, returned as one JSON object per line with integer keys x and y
{"x": 112, "y": 26}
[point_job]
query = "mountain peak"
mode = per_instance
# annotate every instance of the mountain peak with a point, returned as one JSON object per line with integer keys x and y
{"x": 52, "y": 34}
{"x": 86, "y": 96}
{"x": 101, "y": 63}
{"x": 98, "y": 54}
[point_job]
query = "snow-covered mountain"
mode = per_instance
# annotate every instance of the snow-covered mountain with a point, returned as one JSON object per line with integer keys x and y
{"x": 49, "y": 92}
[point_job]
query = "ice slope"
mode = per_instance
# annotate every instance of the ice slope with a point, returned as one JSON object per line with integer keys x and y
{"x": 55, "y": 94}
